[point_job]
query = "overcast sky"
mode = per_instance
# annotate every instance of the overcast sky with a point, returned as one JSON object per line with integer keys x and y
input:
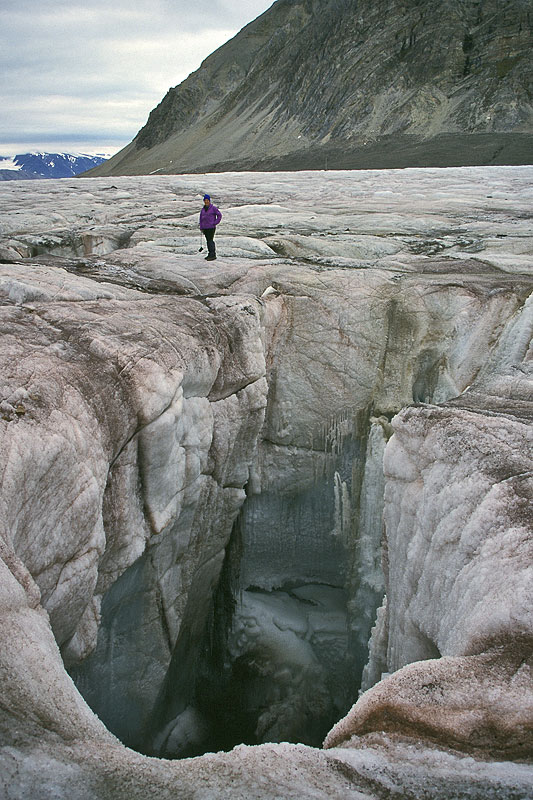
{"x": 84, "y": 77}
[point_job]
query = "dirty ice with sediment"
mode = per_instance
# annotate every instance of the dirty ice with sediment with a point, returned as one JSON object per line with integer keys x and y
{"x": 282, "y": 497}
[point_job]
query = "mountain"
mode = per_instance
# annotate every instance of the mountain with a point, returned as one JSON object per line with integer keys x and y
{"x": 31, "y": 166}
{"x": 351, "y": 83}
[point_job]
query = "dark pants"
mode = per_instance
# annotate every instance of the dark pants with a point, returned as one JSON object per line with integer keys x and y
{"x": 209, "y": 234}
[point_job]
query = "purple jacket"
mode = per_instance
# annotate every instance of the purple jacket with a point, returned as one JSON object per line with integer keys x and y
{"x": 209, "y": 217}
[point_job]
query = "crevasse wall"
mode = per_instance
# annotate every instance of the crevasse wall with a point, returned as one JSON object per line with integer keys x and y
{"x": 312, "y": 521}
{"x": 458, "y": 565}
{"x": 325, "y": 366}
{"x": 182, "y": 476}
{"x": 307, "y": 578}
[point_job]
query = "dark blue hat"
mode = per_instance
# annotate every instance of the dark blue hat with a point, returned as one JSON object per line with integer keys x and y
{"x": 207, "y": 197}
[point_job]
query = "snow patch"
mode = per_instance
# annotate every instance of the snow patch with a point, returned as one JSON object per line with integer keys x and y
{"x": 8, "y": 162}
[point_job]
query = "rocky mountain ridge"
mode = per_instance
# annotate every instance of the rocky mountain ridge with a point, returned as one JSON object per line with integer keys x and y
{"x": 343, "y": 84}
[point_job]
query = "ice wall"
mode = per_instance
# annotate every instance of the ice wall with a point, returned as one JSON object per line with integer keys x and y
{"x": 313, "y": 515}
{"x": 459, "y": 566}
{"x": 148, "y": 415}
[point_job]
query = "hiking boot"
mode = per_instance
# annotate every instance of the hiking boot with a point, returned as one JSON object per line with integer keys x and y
{"x": 211, "y": 258}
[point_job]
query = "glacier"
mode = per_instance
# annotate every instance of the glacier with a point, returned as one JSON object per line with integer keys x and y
{"x": 283, "y": 497}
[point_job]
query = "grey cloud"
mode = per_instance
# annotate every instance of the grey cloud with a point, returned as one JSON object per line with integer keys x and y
{"x": 97, "y": 70}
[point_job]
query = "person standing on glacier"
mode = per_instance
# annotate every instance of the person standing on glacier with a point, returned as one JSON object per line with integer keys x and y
{"x": 210, "y": 216}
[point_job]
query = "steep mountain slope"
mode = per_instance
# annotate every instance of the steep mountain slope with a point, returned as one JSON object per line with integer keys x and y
{"x": 352, "y": 83}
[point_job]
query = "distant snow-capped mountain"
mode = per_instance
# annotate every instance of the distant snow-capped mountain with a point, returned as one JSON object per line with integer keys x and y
{"x": 32, "y": 166}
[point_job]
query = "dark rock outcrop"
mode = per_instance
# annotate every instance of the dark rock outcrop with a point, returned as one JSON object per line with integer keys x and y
{"x": 351, "y": 84}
